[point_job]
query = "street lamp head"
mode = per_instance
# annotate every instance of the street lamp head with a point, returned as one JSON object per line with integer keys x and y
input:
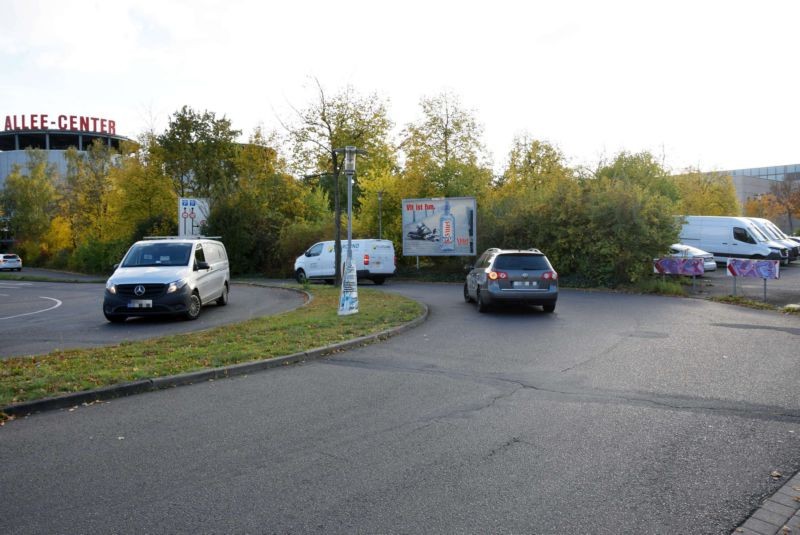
{"x": 350, "y": 160}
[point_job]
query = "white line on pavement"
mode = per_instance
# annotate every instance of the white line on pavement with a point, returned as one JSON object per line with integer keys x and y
{"x": 58, "y": 304}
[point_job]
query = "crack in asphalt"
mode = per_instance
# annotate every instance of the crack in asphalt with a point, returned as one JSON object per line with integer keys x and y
{"x": 670, "y": 402}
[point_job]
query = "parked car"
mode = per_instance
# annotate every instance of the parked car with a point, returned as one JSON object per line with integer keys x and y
{"x": 10, "y": 262}
{"x": 168, "y": 276}
{"x": 679, "y": 250}
{"x": 373, "y": 260}
{"x": 512, "y": 276}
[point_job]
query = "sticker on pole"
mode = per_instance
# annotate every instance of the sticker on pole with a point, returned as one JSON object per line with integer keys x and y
{"x": 762, "y": 269}
{"x": 348, "y": 300}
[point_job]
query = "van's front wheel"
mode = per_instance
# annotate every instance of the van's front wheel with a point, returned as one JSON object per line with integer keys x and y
{"x": 193, "y": 312}
{"x": 301, "y": 277}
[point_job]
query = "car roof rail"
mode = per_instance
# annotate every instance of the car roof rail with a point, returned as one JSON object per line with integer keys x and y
{"x": 195, "y": 237}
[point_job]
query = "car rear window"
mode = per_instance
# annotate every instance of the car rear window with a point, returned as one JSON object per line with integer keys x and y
{"x": 10, "y": 257}
{"x": 521, "y": 261}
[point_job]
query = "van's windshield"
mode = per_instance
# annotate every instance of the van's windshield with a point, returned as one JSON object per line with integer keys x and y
{"x": 760, "y": 236}
{"x": 158, "y": 254}
{"x": 775, "y": 230}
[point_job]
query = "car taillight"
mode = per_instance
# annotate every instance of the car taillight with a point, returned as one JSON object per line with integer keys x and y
{"x": 550, "y": 275}
{"x": 494, "y": 275}
{"x": 366, "y": 259}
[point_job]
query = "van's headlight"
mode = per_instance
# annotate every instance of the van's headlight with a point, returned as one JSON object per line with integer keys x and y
{"x": 111, "y": 288}
{"x": 176, "y": 285}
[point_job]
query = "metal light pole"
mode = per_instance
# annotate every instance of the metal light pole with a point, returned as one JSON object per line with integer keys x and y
{"x": 380, "y": 213}
{"x": 348, "y": 302}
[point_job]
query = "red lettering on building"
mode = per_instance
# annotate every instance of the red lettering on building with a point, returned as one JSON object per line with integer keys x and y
{"x": 41, "y": 121}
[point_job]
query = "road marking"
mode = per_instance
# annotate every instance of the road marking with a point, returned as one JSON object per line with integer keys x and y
{"x": 58, "y": 304}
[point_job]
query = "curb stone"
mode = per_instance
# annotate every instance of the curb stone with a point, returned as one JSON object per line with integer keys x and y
{"x": 244, "y": 368}
{"x": 777, "y": 515}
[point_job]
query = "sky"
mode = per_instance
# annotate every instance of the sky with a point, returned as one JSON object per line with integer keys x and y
{"x": 710, "y": 85}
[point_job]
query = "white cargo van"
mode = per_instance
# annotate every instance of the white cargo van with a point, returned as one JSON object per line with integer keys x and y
{"x": 772, "y": 231}
{"x": 730, "y": 237}
{"x": 374, "y": 260}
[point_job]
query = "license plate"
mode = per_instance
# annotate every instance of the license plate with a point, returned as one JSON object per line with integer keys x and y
{"x": 141, "y": 303}
{"x": 525, "y": 284}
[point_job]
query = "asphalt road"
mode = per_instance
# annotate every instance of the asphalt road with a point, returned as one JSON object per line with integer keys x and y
{"x": 39, "y": 317}
{"x": 616, "y": 414}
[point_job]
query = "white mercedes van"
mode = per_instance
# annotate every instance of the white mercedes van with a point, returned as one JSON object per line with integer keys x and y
{"x": 772, "y": 231}
{"x": 730, "y": 237}
{"x": 168, "y": 276}
{"x": 373, "y": 259}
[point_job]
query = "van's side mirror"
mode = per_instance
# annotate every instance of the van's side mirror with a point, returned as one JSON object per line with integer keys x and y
{"x": 307, "y": 253}
{"x": 201, "y": 265}
{"x": 115, "y": 266}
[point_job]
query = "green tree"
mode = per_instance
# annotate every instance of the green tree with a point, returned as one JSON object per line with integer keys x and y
{"x": 520, "y": 208}
{"x": 444, "y": 152}
{"x": 641, "y": 169}
{"x": 334, "y": 122}
{"x": 533, "y": 163}
{"x": 626, "y": 226}
{"x": 85, "y": 192}
{"x": 199, "y": 152}
{"x": 141, "y": 199}
{"x": 706, "y": 194}
{"x": 29, "y": 201}
{"x": 267, "y": 201}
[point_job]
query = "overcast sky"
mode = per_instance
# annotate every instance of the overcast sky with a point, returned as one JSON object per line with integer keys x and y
{"x": 707, "y": 84}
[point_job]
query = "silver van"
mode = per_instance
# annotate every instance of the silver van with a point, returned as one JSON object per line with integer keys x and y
{"x": 168, "y": 276}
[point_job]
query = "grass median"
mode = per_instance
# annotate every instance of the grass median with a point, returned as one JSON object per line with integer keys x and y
{"x": 314, "y": 325}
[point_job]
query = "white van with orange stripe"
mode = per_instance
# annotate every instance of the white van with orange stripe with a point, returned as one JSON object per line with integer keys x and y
{"x": 373, "y": 259}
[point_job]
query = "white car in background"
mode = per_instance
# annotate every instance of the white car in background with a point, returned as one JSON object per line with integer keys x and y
{"x": 679, "y": 250}
{"x": 10, "y": 262}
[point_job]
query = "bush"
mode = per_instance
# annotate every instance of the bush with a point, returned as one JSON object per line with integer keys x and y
{"x": 97, "y": 257}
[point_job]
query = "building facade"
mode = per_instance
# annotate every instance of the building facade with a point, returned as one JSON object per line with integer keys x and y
{"x": 53, "y": 133}
{"x": 757, "y": 181}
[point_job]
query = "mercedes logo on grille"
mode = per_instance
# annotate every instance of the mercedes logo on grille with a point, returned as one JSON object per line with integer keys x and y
{"x": 524, "y": 275}
{"x": 139, "y": 290}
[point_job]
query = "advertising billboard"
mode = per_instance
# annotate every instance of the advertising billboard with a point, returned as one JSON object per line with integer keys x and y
{"x": 439, "y": 226}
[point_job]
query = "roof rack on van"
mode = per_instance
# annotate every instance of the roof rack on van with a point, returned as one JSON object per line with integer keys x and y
{"x": 195, "y": 237}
